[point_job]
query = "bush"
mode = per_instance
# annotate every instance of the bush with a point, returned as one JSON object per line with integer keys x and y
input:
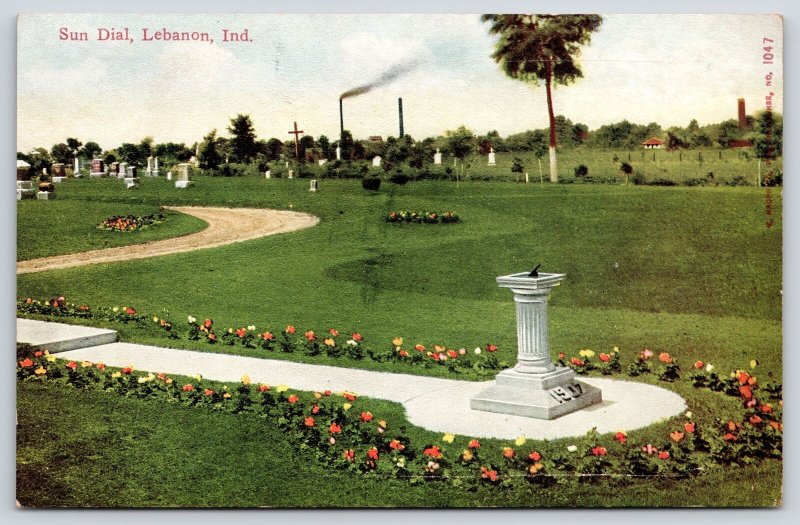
{"x": 581, "y": 171}
{"x": 233, "y": 170}
{"x": 662, "y": 182}
{"x": 695, "y": 182}
{"x": 371, "y": 183}
{"x": 398, "y": 177}
{"x": 638, "y": 178}
{"x": 738, "y": 180}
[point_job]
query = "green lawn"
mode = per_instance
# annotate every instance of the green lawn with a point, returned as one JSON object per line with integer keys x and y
{"x": 692, "y": 271}
{"x": 68, "y": 226}
{"x": 78, "y": 448}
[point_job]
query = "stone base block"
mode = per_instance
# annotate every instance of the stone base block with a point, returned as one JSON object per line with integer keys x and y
{"x": 45, "y": 195}
{"x": 131, "y": 182}
{"x": 182, "y": 183}
{"x": 56, "y": 180}
{"x": 29, "y": 193}
{"x": 97, "y": 175}
{"x": 540, "y": 396}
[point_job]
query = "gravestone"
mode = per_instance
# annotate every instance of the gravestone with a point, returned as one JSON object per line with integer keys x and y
{"x": 312, "y": 187}
{"x": 123, "y": 170}
{"x": 268, "y": 174}
{"x": 291, "y": 173}
{"x": 183, "y": 176}
{"x": 113, "y": 169}
{"x": 338, "y": 153}
{"x": 155, "y": 169}
{"x": 149, "y": 170}
{"x": 98, "y": 168}
{"x": 23, "y": 170}
{"x": 376, "y": 161}
{"x": 46, "y": 189}
{"x": 131, "y": 180}
{"x": 437, "y": 157}
{"x": 76, "y": 169}
{"x": 59, "y": 172}
{"x": 322, "y": 162}
{"x": 169, "y": 175}
{"x": 25, "y": 190}
{"x": 491, "y": 158}
{"x": 535, "y": 387}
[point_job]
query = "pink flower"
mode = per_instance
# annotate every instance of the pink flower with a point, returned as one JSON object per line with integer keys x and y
{"x": 646, "y": 353}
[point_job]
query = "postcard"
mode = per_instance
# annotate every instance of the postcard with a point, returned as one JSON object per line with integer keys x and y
{"x": 414, "y": 260}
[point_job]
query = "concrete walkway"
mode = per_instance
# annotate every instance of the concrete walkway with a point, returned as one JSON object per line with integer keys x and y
{"x": 436, "y": 404}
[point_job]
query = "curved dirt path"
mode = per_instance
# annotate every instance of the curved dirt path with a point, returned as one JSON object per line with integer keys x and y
{"x": 225, "y": 226}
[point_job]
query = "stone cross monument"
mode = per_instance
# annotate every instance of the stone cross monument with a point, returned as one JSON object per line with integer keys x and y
{"x": 535, "y": 387}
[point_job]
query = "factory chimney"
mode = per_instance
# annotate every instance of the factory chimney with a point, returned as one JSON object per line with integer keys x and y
{"x": 400, "y": 108}
{"x": 341, "y": 118}
{"x": 742, "y": 115}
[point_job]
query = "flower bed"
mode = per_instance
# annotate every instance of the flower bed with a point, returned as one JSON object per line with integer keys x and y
{"x": 340, "y": 433}
{"x": 424, "y": 217}
{"x": 128, "y": 223}
{"x": 482, "y": 360}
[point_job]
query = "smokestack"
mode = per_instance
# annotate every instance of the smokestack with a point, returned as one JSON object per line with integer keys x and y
{"x": 742, "y": 115}
{"x": 341, "y": 118}
{"x": 400, "y": 107}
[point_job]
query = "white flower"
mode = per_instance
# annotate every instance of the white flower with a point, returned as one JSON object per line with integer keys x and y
{"x": 478, "y": 350}
{"x": 401, "y": 462}
{"x": 709, "y": 367}
{"x": 115, "y": 309}
{"x": 572, "y": 448}
{"x": 442, "y": 357}
{"x": 352, "y": 342}
{"x": 462, "y": 351}
{"x": 688, "y": 415}
{"x": 192, "y": 320}
{"x": 251, "y": 327}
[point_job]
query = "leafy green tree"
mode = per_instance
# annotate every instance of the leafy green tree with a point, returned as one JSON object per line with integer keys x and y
{"x": 462, "y": 144}
{"x": 274, "y": 149}
{"x": 91, "y": 150}
{"x": 306, "y": 142}
{"x": 243, "y": 139}
{"x": 38, "y": 158}
{"x": 346, "y": 144}
{"x": 61, "y": 153}
{"x": 535, "y": 48}
{"x": 210, "y": 157}
{"x": 768, "y": 135}
{"x": 74, "y": 145}
{"x": 172, "y": 153}
{"x": 324, "y": 145}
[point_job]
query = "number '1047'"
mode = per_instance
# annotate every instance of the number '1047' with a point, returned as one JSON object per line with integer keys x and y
{"x": 767, "y": 56}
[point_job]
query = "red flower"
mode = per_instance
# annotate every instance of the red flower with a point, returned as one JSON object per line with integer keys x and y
{"x": 576, "y": 361}
{"x": 241, "y": 332}
{"x": 25, "y": 363}
{"x": 402, "y": 353}
{"x": 433, "y": 452}
{"x": 745, "y": 392}
{"x": 289, "y": 329}
{"x": 562, "y": 356}
{"x": 698, "y": 365}
{"x": 765, "y": 409}
{"x": 310, "y": 335}
{"x": 315, "y": 409}
{"x": 334, "y": 332}
{"x": 396, "y": 445}
{"x": 474, "y": 443}
{"x": 756, "y": 420}
{"x": 419, "y": 348}
{"x": 665, "y": 358}
{"x": 452, "y": 354}
{"x": 509, "y": 453}
{"x": 604, "y": 358}
{"x": 744, "y": 377}
{"x": 327, "y": 393}
{"x": 72, "y": 364}
{"x": 621, "y": 437}
{"x": 212, "y": 337}
{"x": 208, "y": 392}
{"x": 491, "y": 475}
{"x": 349, "y": 454}
{"x": 127, "y": 370}
{"x": 676, "y": 436}
{"x": 334, "y": 428}
{"x": 347, "y": 395}
{"x": 535, "y": 456}
{"x": 208, "y": 323}
{"x": 357, "y": 337}
{"x": 267, "y": 336}
{"x": 729, "y": 437}
{"x": 491, "y": 348}
{"x": 188, "y": 388}
{"x": 309, "y": 421}
{"x": 372, "y": 453}
{"x": 663, "y": 455}
{"x": 689, "y": 427}
{"x": 294, "y": 398}
{"x": 38, "y": 353}
{"x": 130, "y": 311}
{"x": 366, "y": 417}
{"x": 101, "y": 366}
{"x": 263, "y": 388}
{"x": 599, "y": 451}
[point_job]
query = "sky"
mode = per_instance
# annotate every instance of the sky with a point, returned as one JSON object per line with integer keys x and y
{"x": 668, "y": 69}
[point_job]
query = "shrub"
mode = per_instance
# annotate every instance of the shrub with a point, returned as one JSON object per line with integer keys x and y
{"x": 695, "y": 182}
{"x": 638, "y": 178}
{"x": 233, "y": 170}
{"x": 738, "y": 180}
{"x": 662, "y": 182}
{"x": 371, "y": 183}
{"x": 581, "y": 171}
{"x": 398, "y": 177}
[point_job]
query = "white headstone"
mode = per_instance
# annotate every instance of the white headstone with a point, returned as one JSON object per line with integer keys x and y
{"x": 376, "y": 161}
{"x": 312, "y": 185}
{"x": 123, "y": 170}
{"x": 131, "y": 182}
{"x": 322, "y": 162}
{"x": 76, "y": 171}
{"x": 437, "y": 157}
{"x": 155, "y": 170}
{"x": 491, "y": 158}
{"x": 291, "y": 174}
{"x": 268, "y": 174}
{"x": 183, "y": 176}
{"x": 338, "y": 153}
{"x": 169, "y": 175}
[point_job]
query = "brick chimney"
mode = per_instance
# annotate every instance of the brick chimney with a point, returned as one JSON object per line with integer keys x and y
{"x": 742, "y": 115}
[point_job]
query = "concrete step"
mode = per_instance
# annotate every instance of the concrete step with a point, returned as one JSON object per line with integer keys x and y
{"x": 58, "y": 337}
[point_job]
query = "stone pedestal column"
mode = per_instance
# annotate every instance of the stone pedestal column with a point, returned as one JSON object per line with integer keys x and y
{"x": 535, "y": 387}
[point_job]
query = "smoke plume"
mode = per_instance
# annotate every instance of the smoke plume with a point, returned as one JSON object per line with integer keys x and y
{"x": 385, "y": 78}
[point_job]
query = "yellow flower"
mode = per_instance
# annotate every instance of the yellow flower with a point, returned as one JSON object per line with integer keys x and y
{"x": 753, "y": 363}
{"x": 347, "y": 406}
{"x": 168, "y": 381}
{"x": 397, "y": 341}
{"x": 448, "y": 438}
{"x": 116, "y": 374}
{"x": 382, "y": 423}
{"x": 51, "y": 359}
{"x": 317, "y": 395}
{"x": 281, "y": 388}
{"x": 330, "y": 342}
{"x": 142, "y": 379}
{"x": 616, "y": 350}
{"x": 39, "y": 371}
{"x": 246, "y": 380}
{"x": 520, "y": 441}
{"x": 467, "y": 455}
{"x": 586, "y": 353}
{"x": 86, "y": 364}
{"x": 155, "y": 318}
{"x": 197, "y": 377}
{"x": 226, "y": 395}
{"x": 115, "y": 309}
